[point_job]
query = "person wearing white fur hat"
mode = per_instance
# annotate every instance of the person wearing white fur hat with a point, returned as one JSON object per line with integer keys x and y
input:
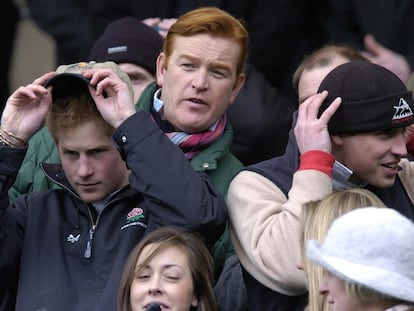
{"x": 368, "y": 256}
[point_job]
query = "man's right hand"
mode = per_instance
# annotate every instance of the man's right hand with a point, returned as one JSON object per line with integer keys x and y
{"x": 310, "y": 131}
{"x": 26, "y": 109}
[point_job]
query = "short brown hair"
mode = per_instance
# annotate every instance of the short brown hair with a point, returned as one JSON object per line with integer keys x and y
{"x": 69, "y": 112}
{"x": 324, "y": 57}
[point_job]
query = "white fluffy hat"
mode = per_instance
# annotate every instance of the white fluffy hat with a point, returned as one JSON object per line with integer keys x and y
{"x": 370, "y": 246}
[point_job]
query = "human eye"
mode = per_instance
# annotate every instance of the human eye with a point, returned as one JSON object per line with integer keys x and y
{"x": 97, "y": 152}
{"x": 187, "y": 66}
{"x": 143, "y": 276}
{"x": 70, "y": 154}
{"x": 390, "y": 133}
{"x": 172, "y": 277}
{"x": 138, "y": 79}
{"x": 219, "y": 72}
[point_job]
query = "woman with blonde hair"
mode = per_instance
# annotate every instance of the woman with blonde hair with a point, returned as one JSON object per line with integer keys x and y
{"x": 367, "y": 258}
{"x": 317, "y": 218}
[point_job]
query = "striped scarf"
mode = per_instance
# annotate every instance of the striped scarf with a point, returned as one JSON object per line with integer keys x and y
{"x": 191, "y": 144}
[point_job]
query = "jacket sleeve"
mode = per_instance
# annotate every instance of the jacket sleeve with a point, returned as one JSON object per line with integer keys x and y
{"x": 180, "y": 196}
{"x": 11, "y": 233}
{"x": 266, "y": 229}
{"x": 11, "y": 160}
{"x": 30, "y": 177}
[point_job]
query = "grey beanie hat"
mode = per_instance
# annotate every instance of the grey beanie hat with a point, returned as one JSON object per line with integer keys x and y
{"x": 370, "y": 246}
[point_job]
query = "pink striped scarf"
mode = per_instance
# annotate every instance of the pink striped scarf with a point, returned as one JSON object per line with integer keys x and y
{"x": 193, "y": 144}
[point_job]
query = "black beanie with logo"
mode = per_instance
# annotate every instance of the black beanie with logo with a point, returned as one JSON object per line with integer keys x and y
{"x": 373, "y": 99}
{"x": 128, "y": 40}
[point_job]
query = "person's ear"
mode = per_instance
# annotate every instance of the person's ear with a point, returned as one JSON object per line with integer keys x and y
{"x": 194, "y": 302}
{"x": 237, "y": 87}
{"x": 161, "y": 67}
{"x": 337, "y": 140}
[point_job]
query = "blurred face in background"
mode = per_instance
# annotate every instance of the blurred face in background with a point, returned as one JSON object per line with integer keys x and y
{"x": 311, "y": 79}
{"x": 139, "y": 76}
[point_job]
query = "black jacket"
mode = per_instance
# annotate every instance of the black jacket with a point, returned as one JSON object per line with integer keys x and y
{"x": 71, "y": 258}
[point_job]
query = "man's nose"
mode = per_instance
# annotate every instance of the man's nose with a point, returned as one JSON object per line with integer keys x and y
{"x": 200, "y": 81}
{"x": 85, "y": 167}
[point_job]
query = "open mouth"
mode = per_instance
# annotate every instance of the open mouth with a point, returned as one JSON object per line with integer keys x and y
{"x": 197, "y": 101}
{"x": 391, "y": 165}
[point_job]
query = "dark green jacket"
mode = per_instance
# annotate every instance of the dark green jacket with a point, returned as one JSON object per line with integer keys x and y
{"x": 216, "y": 161}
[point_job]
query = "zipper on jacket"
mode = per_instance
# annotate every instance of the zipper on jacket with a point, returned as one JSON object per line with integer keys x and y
{"x": 88, "y": 250}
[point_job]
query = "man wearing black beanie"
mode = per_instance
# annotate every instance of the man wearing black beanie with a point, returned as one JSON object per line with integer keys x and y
{"x": 350, "y": 134}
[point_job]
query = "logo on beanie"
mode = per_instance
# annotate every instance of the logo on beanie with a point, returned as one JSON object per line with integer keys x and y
{"x": 117, "y": 49}
{"x": 402, "y": 111}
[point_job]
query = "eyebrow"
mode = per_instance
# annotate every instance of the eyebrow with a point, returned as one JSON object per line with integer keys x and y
{"x": 216, "y": 64}
{"x": 172, "y": 266}
{"x": 164, "y": 266}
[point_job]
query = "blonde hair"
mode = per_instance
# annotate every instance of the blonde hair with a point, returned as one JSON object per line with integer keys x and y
{"x": 317, "y": 217}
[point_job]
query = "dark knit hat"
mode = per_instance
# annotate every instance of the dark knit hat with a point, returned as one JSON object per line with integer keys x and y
{"x": 128, "y": 40}
{"x": 373, "y": 99}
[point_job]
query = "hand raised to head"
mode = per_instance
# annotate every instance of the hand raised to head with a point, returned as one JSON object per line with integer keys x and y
{"x": 112, "y": 96}
{"x": 310, "y": 131}
{"x": 26, "y": 109}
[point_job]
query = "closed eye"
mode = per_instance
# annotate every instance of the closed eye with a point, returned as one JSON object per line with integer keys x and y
{"x": 143, "y": 276}
{"x": 187, "y": 66}
{"x": 172, "y": 278}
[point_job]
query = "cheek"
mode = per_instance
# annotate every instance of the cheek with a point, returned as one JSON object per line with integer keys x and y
{"x": 112, "y": 160}
{"x": 68, "y": 166}
{"x": 353, "y": 155}
{"x": 183, "y": 292}
{"x": 136, "y": 294}
{"x": 222, "y": 99}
